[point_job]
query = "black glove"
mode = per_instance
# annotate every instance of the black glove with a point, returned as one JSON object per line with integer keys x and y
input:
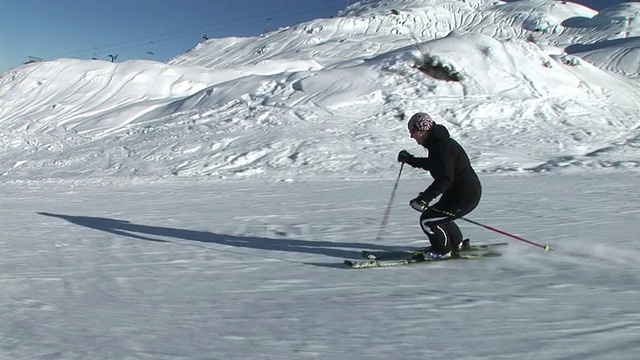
{"x": 421, "y": 202}
{"x": 405, "y": 157}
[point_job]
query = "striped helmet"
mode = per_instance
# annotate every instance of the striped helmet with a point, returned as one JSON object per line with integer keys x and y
{"x": 420, "y": 121}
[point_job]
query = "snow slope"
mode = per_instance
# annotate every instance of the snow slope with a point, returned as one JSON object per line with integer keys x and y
{"x": 541, "y": 86}
{"x": 245, "y": 270}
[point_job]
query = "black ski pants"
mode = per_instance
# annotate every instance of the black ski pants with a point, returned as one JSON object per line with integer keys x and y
{"x": 443, "y": 233}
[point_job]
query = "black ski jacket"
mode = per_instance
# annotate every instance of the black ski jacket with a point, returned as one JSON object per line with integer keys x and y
{"x": 449, "y": 165}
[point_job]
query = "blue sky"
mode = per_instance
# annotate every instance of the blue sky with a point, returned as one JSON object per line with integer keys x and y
{"x": 146, "y": 29}
{"x": 132, "y": 28}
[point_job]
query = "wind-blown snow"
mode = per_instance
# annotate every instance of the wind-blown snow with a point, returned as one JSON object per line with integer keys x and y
{"x": 201, "y": 208}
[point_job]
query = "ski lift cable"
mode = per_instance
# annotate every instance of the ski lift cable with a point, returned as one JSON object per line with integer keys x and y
{"x": 212, "y": 27}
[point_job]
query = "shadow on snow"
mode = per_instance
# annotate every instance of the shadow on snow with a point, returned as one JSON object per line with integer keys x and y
{"x": 149, "y": 233}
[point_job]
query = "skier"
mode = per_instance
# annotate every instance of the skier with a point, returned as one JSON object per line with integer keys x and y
{"x": 453, "y": 178}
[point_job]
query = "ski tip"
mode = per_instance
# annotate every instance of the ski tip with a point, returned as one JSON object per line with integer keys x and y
{"x": 547, "y": 248}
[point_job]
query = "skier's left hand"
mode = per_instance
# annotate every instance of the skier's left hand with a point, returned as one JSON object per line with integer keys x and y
{"x": 420, "y": 203}
{"x": 425, "y": 197}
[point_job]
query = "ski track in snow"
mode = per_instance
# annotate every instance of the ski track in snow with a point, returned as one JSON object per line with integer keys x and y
{"x": 207, "y": 270}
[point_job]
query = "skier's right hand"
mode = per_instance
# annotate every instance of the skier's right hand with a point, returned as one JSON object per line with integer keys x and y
{"x": 405, "y": 157}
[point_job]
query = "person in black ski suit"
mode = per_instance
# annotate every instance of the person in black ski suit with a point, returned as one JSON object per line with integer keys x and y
{"x": 453, "y": 178}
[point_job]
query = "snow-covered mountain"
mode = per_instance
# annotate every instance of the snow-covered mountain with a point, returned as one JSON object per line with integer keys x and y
{"x": 526, "y": 86}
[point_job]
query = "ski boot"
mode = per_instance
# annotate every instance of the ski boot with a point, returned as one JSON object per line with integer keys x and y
{"x": 430, "y": 256}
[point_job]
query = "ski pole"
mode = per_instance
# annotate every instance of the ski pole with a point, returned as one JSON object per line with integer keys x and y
{"x": 385, "y": 219}
{"x": 545, "y": 247}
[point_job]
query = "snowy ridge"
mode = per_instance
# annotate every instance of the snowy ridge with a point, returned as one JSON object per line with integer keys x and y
{"x": 537, "y": 86}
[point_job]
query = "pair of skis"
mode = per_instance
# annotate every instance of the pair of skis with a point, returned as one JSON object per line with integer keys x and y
{"x": 400, "y": 258}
